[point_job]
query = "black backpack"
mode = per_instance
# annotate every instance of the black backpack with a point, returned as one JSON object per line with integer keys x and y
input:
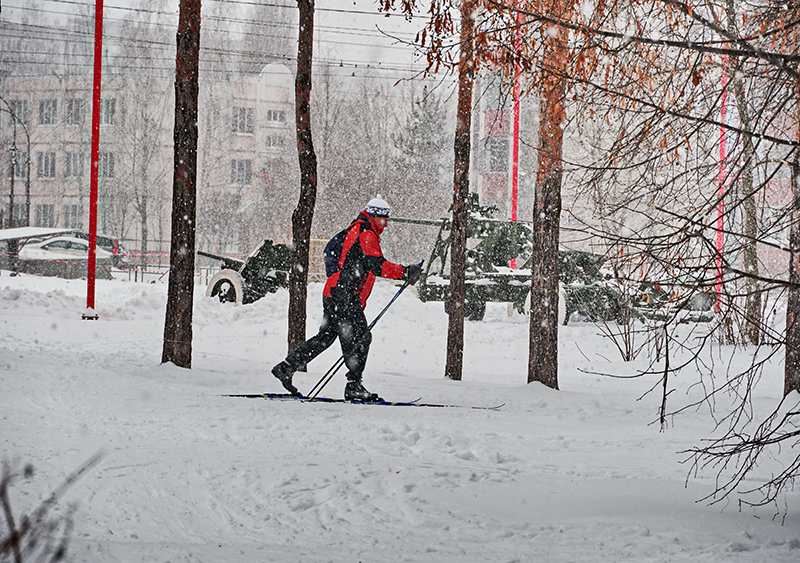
{"x": 333, "y": 251}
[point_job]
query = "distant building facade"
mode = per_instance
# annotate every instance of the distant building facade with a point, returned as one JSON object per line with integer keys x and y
{"x": 493, "y": 147}
{"x": 245, "y": 157}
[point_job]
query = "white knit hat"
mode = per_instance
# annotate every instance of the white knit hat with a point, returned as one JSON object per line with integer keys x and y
{"x": 377, "y": 207}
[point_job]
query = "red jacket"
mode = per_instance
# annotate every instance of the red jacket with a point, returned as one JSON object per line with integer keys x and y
{"x": 361, "y": 261}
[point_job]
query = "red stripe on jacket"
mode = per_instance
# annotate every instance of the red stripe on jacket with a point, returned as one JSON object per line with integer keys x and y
{"x": 362, "y": 261}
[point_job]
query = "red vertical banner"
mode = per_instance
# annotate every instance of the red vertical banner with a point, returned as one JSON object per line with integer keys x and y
{"x": 95, "y": 161}
{"x": 515, "y": 134}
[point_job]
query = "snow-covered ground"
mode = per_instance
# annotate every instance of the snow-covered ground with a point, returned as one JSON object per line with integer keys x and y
{"x": 580, "y": 474}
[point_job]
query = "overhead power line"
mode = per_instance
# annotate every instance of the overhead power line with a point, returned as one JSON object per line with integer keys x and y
{"x": 288, "y": 6}
{"x": 276, "y": 24}
{"x": 66, "y": 34}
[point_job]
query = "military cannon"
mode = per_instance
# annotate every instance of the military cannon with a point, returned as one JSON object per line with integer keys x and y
{"x": 491, "y": 246}
{"x": 245, "y": 281}
{"x": 587, "y": 286}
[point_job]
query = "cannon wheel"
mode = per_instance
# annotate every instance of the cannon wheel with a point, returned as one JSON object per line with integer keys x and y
{"x": 226, "y": 285}
{"x": 473, "y": 310}
{"x": 563, "y": 319}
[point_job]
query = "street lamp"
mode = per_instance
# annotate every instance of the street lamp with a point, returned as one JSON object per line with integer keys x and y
{"x": 13, "y": 176}
{"x": 15, "y": 120}
{"x": 13, "y": 247}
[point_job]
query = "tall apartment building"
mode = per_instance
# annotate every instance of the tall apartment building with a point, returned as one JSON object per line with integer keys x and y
{"x": 245, "y": 161}
{"x": 46, "y": 121}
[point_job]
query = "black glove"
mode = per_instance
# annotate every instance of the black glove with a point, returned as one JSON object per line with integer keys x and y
{"x": 411, "y": 273}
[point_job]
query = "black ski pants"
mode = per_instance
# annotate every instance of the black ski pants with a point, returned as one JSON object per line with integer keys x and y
{"x": 344, "y": 318}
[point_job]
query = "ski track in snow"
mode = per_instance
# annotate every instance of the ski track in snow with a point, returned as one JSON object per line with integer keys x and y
{"x": 577, "y": 475}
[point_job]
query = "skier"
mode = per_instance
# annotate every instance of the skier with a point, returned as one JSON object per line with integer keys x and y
{"x": 344, "y": 298}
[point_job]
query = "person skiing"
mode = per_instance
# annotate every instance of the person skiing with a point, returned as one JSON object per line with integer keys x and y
{"x": 344, "y": 299}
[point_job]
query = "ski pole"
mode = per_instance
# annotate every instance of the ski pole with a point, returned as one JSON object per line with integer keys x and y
{"x": 317, "y": 389}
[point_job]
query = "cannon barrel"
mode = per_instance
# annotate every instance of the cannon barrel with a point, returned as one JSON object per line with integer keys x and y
{"x": 227, "y": 262}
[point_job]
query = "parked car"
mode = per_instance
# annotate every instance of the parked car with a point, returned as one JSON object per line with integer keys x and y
{"x": 63, "y": 248}
{"x": 63, "y": 257}
{"x": 120, "y": 257}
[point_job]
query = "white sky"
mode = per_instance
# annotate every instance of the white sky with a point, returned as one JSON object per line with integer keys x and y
{"x": 351, "y": 32}
{"x": 365, "y": 36}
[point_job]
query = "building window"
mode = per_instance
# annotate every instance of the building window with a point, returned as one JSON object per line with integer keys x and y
{"x": 45, "y": 165}
{"x": 497, "y": 123}
{"x": 47, "y": 112}
{"x": 18, "y": 215}
{"x": 76, "y": 112}
{"x": 275, "y": 141}
{"x": 45, "y": 215}
{"x": 243, "y": 120}
{"x": 106, "y": 165}
{"x": 73, "y": 165}
{"x": 273, "y": 169}
{"x": 240, "y": 172}
{"x": 19, "y": 109}
{"x": 72, "y": 217}
{"x": 267, "y": 172}
{"x": 498, "y": 154}
{"x": 277, "y": 116}
{"x": 17, "y": 168}
{"x": 494, "y": 187}
{"x": 493, "y": 94}
{"x": 108, "y": 108}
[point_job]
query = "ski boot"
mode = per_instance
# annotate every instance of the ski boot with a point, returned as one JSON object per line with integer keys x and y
{"x": 355, "y": 391}
{"x": 284, "y": 373}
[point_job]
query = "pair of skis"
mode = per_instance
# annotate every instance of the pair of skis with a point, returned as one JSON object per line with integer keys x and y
{"x": 306, "y": 399}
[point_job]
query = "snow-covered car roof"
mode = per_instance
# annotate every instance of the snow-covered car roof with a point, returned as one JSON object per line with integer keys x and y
{"x": 25, "y": 233}
{"x": 71, "y": 248}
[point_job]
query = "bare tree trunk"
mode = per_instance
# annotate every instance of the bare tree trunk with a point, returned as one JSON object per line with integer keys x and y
{"x": 458, "y": 236}
{"x": 543, "y": 350}
{"x": 304, "y": 212}
{"x": 792, "y": 363}
{"x": 178, "y": 323}
{"x": 752, "y": 309}
{"x": 143, "y": 258}
{"x": 141, "y": 206}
